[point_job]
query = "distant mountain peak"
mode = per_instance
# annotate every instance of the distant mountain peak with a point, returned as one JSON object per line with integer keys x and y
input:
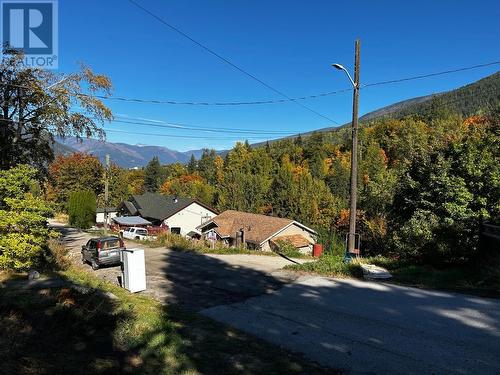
{"x": 126, "y": 155}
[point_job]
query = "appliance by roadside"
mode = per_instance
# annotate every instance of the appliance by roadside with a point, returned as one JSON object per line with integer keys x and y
{"x": 133, "y": 270}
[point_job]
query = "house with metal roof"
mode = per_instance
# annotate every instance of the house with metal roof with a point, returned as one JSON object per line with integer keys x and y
{"x": 180, "y": 215}
{"x": 259, "y": 232}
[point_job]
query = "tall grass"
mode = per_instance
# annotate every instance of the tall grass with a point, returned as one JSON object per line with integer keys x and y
{"x": 179, "y": 243}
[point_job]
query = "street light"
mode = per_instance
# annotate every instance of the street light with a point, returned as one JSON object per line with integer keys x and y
{"x": 351, "y": 238}
{"x": 341, "y": 67}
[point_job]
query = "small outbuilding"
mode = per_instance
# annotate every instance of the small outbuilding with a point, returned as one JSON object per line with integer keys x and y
{"x": 101, "y": 214}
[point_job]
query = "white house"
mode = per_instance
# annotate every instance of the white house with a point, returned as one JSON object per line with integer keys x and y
{"x": 181, "y": 215}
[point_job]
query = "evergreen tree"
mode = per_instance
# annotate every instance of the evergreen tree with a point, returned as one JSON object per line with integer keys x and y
{"x": 247, "y": 145}
{"x": 206, "y": 166}
{"x": 152, "y": 175}
{"x": 82, "y": 209}
{"x": 298, "y": 140}
{"x": 192, "y": 166}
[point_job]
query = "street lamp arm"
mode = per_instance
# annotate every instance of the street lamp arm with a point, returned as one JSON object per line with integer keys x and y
{"x": 341, "y": 67}
{"x": 350, "y": 78}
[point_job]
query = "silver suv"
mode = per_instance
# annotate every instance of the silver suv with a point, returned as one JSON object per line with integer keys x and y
{"x": 102, "y": 251}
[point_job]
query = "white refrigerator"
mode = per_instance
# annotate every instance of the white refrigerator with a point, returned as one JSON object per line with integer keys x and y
{"x": 133, "y": 270}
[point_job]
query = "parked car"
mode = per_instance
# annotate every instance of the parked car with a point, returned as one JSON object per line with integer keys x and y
{"x": 135, "y": 233}
{"x": 102, "y": 251}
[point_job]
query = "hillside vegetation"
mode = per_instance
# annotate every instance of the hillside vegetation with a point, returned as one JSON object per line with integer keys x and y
{"x": 482, "y": 95}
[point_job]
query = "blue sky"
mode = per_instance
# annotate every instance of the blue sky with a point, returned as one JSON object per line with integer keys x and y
{"x": 289, "y": 44}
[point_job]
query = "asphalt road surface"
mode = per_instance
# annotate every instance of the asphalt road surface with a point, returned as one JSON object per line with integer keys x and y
{"x": 374, "y": 328}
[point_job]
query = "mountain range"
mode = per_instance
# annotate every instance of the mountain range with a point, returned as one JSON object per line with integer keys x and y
{"x": 123, "y": 154}
{"x": 467, "y": 100}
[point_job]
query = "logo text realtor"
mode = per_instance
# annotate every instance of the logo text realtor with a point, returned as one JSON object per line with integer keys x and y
{"x": 31, "y": 26}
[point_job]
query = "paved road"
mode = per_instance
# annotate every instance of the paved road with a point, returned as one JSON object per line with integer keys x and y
{"x": 374, "y": 328}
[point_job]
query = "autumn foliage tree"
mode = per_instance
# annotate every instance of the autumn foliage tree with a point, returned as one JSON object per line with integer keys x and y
{"x": 31, "y": 114}
{"x": 191, "y": 186}
{"x": 75, "y": 172}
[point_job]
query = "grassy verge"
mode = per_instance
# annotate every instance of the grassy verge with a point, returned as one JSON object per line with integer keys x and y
{"x": 61, "y": 217}
{"x": 482, "y": 280}
{"x": 88, "y": 331}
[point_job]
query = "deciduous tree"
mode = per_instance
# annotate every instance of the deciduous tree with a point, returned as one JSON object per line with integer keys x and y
{"x": 75, "y": 172}
{"x": 38, "y": 104}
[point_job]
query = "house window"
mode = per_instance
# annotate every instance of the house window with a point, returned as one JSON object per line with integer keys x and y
{"x": 175, "y": 230}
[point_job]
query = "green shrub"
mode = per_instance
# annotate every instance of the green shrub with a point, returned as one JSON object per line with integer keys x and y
{"x": 331, "y": 265}
{"x": 287, "y": 249}
{"x": 82, "y": 209}
{"x": 23, "y": 220}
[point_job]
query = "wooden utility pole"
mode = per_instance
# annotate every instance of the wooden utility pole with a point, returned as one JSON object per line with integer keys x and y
{"x": 354, "y": 153}
{"x": 106, "y": 194}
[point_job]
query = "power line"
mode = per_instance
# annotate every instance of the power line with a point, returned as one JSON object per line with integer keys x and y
{"x": 271, "y": 101}
{"x": 430, "y": 75}
{"x": 165, "y": 23}
{"x": 229, "y": 138}
{"x": 234, "y": 138}
{"x": 294, "y": 99}
{"x": 204, "y": 103}
{"x": 177, "y": 126}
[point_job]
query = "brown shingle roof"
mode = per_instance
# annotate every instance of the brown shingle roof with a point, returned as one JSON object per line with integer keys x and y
{"x": 257, "y": 228}
{"x": 296, "y": 240}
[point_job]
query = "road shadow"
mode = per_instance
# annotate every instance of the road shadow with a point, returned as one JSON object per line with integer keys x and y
{"x": 196, "y": 281}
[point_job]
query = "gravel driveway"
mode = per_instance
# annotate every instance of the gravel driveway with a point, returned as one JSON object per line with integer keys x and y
{"x": 195, "y": 281}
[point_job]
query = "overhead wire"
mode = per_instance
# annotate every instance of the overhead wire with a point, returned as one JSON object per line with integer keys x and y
{"x": 161, "y": 124}
{"x": 273, "y": 101}
{"x": 234, "y": 138}
{"x": 227, "y": 61}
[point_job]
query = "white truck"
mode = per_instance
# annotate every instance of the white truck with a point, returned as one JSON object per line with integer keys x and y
{"x": 135, "y": 233}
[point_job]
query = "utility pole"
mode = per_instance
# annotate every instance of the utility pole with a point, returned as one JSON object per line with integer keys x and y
{"x": 106, "y": 194}
{"x": 354, "y": 153}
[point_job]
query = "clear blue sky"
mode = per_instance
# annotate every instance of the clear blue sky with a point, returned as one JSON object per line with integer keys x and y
{"x": 289, "y": 44}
